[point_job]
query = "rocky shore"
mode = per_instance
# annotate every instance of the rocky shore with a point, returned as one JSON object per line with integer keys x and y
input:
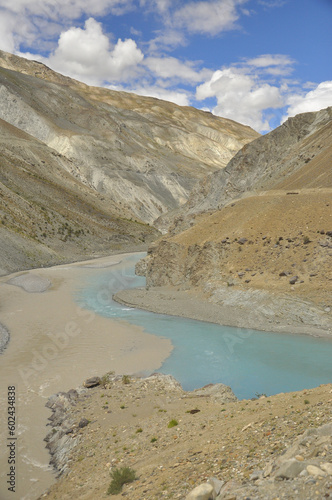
{"x": 216, "y": 447}
{"x": 253, "y": 309}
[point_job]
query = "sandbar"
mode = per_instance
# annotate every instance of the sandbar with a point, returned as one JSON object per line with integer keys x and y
{"x": 54, "y": 346}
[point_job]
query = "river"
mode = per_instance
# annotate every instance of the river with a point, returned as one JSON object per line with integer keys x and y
{"x": 250, "y": 362}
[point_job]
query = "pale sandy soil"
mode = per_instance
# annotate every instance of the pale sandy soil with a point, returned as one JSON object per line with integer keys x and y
{"x": 53, "y": 346}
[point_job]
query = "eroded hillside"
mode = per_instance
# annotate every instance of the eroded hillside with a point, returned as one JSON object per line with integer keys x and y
{"x": 48, "y": 216}
{"x": 140, "y": 152}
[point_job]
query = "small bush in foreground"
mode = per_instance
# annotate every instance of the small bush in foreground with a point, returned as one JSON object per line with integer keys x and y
{"x": 120, "y": 477}
{"x": 172, "y": 423}
{"x": 126, "y": 379}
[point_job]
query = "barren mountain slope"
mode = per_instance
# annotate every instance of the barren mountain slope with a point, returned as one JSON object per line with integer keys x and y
{"x": 47, "y": 216}
{"x": 142, "y": 153}
{"x": 296, "y": 155}
{"x": 273, "y": 242}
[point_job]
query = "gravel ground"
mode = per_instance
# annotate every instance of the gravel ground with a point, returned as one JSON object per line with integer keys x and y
{"x": 128, "y": 426}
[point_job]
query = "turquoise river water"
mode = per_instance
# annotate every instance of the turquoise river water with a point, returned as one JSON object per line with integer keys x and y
{"x": 249, "y": 361}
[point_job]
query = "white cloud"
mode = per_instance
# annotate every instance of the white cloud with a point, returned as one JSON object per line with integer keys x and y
{"x": 241, "y": 97}
{"x": 58, "y": 9}
{"x": 267, "y": 60}
{"x": 87, "y": 54}
{"x": 209, "y": 17}
{"x": 173, "y": 69}
{"x": 7, "y": 27}
{"x": 167, "y": 40}
{"x": 161, "y": 6}
{"x": 272, "y": 64}
{"x": 36, "y": 22}
{"x": 319, "y": 98}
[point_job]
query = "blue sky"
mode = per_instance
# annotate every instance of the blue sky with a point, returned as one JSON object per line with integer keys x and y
{"x": 254, "y": 61}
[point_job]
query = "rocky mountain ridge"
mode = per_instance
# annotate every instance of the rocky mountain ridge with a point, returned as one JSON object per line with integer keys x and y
{"x": 295, "y": 155}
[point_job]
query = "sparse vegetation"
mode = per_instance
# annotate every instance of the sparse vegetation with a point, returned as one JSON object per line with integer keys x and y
{"x": 121, "y": 476}
{"x": 126, "y": 379}
{"x": 105, "y": 379}
{"x": 172, "y": 423}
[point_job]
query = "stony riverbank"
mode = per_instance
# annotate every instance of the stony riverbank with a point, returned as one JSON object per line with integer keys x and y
{"x": 270, "y": 447}
{"x": 253, "y": 309}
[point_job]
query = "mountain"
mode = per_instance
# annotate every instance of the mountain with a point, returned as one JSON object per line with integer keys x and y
{"x": 266, "y": 237}
{"x": 293, "y": 156}
{"x": 145, "y": 153}
{"x": 78, "y": 152}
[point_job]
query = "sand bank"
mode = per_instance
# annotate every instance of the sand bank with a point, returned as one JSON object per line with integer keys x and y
{"x": 250, "y": 309}
{"x": 54, "y": 345}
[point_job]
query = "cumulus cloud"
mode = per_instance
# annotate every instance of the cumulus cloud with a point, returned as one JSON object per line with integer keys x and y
{"x": 174, "y": 69}
{"x": 241, "y": 97}
{"x": 316, "y": 99}
{"x": 210, "y": 17}
{"x": 87, "y": 54}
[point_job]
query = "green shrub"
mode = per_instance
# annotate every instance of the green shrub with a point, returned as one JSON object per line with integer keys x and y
{"x": 172, "y": 423}
{"x": 126, "y": 379}
{"x": 120, "y": 477}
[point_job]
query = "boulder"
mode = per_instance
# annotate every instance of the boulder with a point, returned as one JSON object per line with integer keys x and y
{"x": 290, "y": 469}
{"x": 92, "y": 382}
{"x": 201, "y": 492}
